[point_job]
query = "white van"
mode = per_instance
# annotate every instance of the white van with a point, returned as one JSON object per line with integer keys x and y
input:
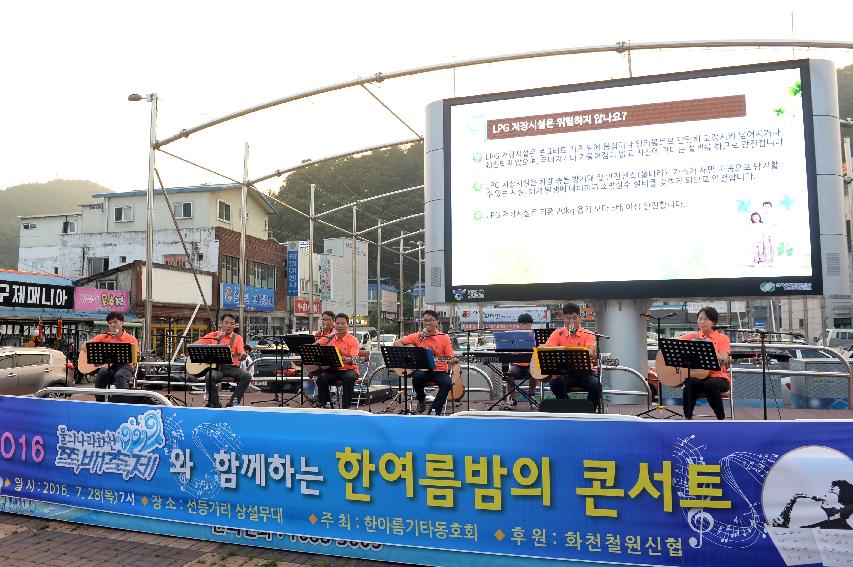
{"x": 838, "y": 338}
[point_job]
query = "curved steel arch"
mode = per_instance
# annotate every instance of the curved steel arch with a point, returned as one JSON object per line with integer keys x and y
{"x": 620, "y": 47}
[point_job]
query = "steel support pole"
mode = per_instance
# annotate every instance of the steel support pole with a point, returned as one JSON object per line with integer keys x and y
{"x": 149, "y": 226}
{"x": 243, "y": 326}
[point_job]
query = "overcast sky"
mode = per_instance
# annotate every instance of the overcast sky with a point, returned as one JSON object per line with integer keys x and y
{"x": 69, "y": 66}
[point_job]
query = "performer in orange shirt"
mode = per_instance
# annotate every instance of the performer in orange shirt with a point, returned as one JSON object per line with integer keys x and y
{"x": 226, "y": 336}
{"x": 327, "y": 320}
{"x": 573, "y": 335}
{"x": 520, "y": 371}
{"x": 348, "y": 347}
{"x": 441, "y": 347}
{"x": 718, "y": 381}
{"x": 119, "y": 374}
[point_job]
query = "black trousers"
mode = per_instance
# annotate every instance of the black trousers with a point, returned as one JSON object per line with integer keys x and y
{"x": 713, "y": 389}
{"x": 328, "y": 378}
{"x": 420, "y": 378}
{"x": 589, "y": 382}
{"x": 213, "y": 377}
{"x": 118, "y": 374}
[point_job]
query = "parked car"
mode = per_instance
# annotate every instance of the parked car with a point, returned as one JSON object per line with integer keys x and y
{"x": 278, "y": 372}
{"x": 368, "y": 338}
{"x": 26, "y": 370}
{"x": 387, "y": 340}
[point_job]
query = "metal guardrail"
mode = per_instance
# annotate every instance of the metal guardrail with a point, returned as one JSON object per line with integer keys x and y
{"x": 65, "y": 392}
{"x": 646, "y": 391}
{"x": 814, "y": 373}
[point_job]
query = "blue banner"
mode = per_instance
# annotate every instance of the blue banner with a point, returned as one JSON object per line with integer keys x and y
{"x": 610, "y": 490}
{"x": 292, "y": 271}
{"x": 256, "y": 298}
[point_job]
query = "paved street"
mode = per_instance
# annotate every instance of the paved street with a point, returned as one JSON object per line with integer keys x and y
{"x": 34, "y": 542}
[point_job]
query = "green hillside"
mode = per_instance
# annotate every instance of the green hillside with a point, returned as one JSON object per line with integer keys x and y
{"x": 57, "y": 196}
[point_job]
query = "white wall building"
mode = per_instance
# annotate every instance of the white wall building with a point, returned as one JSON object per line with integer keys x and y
{"x": 112, "y": 233}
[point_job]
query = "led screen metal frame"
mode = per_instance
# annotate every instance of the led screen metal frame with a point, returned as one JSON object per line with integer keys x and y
{"x": 707, "y": 287}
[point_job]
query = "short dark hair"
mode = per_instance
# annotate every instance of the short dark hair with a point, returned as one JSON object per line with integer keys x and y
{"x": 115, "y": 315}
{"x": 430, "y": 312}
{"x": 224, "y": 315}
{"x": 329, "y": 313}
{"x": 525, "y": 318}
{"x": 571, "y": 309}
{"x": 342, "y": 316}
{"x": 710, "y": 313}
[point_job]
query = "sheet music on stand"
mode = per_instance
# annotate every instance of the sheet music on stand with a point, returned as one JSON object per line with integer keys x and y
{"x": 110, "y": 353}
{"x": 409, "y": 359}
{"x": 321, "y": 355}
{"x": 693, "y": 355}
{"x": 209, "y": 354}
{"x": 296, "y": 342}
{"x": 559, "y": 361}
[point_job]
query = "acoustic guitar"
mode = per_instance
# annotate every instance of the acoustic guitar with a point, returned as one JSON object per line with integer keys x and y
{"x": 674, "y": 377}
{"x": 85, "y": 367}
{"x": 199, "y": 369}
{"x": 536, "y": 372}
{"x": 457, "y": 389}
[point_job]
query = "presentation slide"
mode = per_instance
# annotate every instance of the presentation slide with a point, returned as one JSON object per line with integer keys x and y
{"x": 679, "y": 180}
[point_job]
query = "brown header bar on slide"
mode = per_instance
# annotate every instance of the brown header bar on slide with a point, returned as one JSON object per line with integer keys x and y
{"x": 617, "y": 117}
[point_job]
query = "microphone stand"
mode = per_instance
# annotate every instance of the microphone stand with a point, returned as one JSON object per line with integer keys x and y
{"x": 659, "y": 392}
{"x": 598, "y": 373}
{"x": 762, "y": 334}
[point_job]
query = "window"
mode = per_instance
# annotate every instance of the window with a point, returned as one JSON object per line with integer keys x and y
{"x": 842, "y": 323}
{"x": 122, "y": 259}
{"x": 802, "y": 323}
{"x": 263, "y": 275}
{"x": 32, "y": 359}
{"x": 849, "y": 240}
{"x": 108, "y": 284}
{"x": 69, "y": 227}
{"x": 97, "y": 265}
{"x": 28, "y": 226}
{"x": 123, "y": 214}
{"x": 183, "y": 210}
{"x": 230, "y": 269}
{"x": 223, "y": 211}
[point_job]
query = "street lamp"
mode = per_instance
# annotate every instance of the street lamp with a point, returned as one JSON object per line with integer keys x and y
{"x": 149, "y": 220}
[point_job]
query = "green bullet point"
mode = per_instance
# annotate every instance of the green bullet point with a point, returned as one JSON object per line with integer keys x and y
{"x": 478, "y": 158}
{"x": 478, "y": 215}
{"x": 478, "y": 186}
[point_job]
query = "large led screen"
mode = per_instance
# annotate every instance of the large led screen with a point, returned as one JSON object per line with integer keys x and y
{"x": 694, "y": 184}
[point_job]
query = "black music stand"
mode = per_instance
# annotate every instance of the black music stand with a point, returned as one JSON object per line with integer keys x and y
{"x": 518, "y": 385}
{"x": 111, "y": 354}
{"x": 408, "y": 359}
{"x": 209, "y": 354}
{"x": 562, "y": 361}
{"x": 692, "y": 355}
{"x": 294, "y": 344}
{"x": 320, "y": 355}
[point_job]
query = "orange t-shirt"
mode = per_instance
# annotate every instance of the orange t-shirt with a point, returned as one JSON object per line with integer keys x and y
{"x": 219, "y": 338}
{"x": 124, "y": 337}
{"x": 722, "y": 343}
{"x": 347, "y": 346}
{"x": 562, "y": 337}
{"x": 438, "y": 343}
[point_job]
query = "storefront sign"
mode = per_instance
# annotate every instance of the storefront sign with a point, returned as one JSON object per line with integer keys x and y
{"x": 101, "y": 300}
{"x": 36, "y": 296}
{"x": 300, "y": 307}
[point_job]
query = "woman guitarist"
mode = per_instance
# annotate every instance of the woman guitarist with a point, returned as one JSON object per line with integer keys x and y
{"x": 718, "y": 381}
{"x": 441, "y": 347}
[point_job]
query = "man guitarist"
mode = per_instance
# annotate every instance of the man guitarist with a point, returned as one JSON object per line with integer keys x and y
{"x": 348, "y": 374}
{"x": 327, "y": 319}
{"x": 120, "y": 374}
{"x": 226, "y": 336}
{"x": 441, "y": 347}
{"x": 573, "y": 335}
